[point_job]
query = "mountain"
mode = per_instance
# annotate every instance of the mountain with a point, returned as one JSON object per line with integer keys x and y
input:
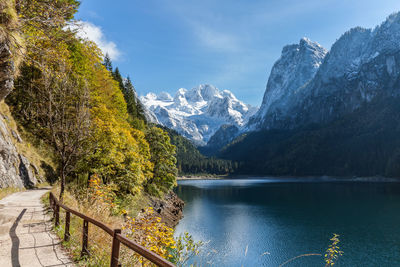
{"x": 198, "y": 113}
{"x": 223, "y": 136}
{"x": 308, "y": 85}
{"x": 297, "y": 65}
{"x": 329, "y": 113}
{"x": 363, "y": 143}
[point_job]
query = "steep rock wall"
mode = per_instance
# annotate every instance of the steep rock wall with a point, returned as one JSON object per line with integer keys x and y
{"x": 15, "y": 168}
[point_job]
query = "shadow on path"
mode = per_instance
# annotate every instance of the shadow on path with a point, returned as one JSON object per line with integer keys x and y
{"x": 15, "y": 241}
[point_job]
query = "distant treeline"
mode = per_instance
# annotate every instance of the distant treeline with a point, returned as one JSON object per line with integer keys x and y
{"x": 191, "y": 161}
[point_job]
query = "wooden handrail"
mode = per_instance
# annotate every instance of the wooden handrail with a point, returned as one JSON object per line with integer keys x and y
{"x": 101, "y": 225}
{"x": 156, "y": 259}
{"x": 115, "y": 234}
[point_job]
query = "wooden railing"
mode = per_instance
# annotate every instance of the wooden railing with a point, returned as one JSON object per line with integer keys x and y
{"x": 118, "y": 238}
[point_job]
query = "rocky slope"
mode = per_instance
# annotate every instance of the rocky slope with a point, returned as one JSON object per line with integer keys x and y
{"x": 170, "y": 208}
{"x": 15, "y": 168}
{"x": 308, "y": 85}
{"x": 198, "y": 113}
{"x": 223, "y": 136}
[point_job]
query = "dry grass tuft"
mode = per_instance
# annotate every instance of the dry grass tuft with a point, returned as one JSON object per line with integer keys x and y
{"x": 8, "y": 191}
{"x": 8, "y": 15}
{"x": 10, "y": 33}
{"x": 99, "y": 241}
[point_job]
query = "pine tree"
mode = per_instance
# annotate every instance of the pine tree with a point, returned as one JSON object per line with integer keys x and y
{"x": 130, "y": 98}
{"x": 135, "y": 108}
{"x": 118, "y": 77}
{"x": 107, "y": 62}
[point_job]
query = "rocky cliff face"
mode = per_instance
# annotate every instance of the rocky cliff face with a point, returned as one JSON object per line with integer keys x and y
{"x": 287, "y": 82}
{"x": 15, "y": 168}
{"x": 6, "y": 70}
{"x": 316, "y": 87}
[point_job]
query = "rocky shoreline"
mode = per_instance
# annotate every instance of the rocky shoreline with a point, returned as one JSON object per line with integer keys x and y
{"x": 170, "y": 209}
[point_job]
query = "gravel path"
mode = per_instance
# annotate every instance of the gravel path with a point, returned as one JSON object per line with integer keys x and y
{"x": 26, "y": 238}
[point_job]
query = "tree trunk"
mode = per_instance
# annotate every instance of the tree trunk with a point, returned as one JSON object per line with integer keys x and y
{"x": 88, "y": 179}
{"x": 62, "y": 180}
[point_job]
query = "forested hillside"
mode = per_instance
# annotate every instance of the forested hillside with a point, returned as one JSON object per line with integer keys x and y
{"x": 364, "y": 143}
{"x": 191, "y": 161}
{"x": 73, "y": 100}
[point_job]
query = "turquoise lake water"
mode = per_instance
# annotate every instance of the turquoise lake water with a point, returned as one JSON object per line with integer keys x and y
{"x": 274, "y": 220}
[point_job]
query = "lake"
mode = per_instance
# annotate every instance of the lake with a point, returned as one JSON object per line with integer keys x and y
{"x": 265, "y": 222}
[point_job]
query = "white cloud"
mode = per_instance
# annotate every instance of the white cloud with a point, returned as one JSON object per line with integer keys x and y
{"x": 88, "y": 30}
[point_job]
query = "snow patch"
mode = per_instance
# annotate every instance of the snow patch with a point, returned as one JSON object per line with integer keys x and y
{"x": 198, "y": 113}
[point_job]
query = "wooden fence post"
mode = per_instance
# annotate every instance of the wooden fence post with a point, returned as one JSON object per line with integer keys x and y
{"x": 115, "y": 249}
{"x": 67, "y": 221}
{"x": 116, "y": 235}
{"x": 85, "y": 233}
{"x": 57, "y": 212}
{"x": 52, "y": 205}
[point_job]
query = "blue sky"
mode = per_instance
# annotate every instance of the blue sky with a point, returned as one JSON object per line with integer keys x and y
{"x": 164, "y": 45}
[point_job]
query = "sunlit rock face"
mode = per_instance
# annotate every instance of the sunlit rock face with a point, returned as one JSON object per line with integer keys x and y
{"x": 6, "y": 70}
{"x": 15, "y": 169}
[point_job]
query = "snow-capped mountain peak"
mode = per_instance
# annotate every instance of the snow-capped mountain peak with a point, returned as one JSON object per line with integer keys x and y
{"x": 164, "y": 96}
{"x": 198, "y": 113}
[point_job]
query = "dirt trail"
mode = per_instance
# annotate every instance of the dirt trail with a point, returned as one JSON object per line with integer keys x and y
{"x": 26, "y": 238}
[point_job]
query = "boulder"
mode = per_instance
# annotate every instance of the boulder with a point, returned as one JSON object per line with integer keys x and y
{"x": 26, "y": 174}
{"x": 15, "y": 169}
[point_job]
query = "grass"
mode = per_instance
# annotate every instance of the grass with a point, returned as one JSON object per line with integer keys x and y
{"x": 8, "y": 191}
{"x": 8, "y": 14}
{"x": 100, "y": 242}
{"x": 9, "y": 31}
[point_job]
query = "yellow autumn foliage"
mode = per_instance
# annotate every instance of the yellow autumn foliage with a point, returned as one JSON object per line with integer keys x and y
{"x": 146, "y": 229}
